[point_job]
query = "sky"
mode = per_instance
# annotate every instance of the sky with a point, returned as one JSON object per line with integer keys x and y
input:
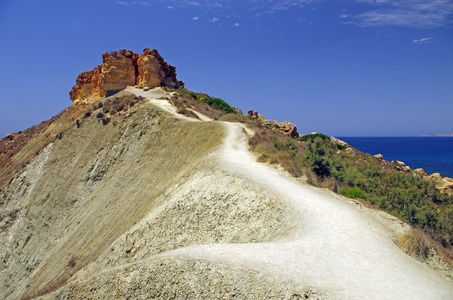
{"x": 339, "y": 67}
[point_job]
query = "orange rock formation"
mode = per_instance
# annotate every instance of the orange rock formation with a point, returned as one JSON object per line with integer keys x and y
{"x": 124, "y": 68}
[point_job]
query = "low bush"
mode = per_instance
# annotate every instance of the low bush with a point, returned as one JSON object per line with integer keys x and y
{"x": 354, "y": 193}
{"x": 193, "y": 95}
{"x": 357, "y": 175}
{"x": 313, "y": 136}
{"x": 218, "y": 103}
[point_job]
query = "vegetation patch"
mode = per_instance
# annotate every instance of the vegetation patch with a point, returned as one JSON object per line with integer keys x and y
{"x": 218, "y": 103}
{"x": 238, "y": 118}
{"x": 354, "y": 193}
{"x": 313, "y": 136}
{"x": 358, "y": 175}
{"x": 414, "y": 244}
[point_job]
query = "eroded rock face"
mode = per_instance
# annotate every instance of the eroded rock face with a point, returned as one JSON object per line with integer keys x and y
{"x": 118, "y": 71}
{"x": 154, "y": 71}
{"x": 123, "y": 68}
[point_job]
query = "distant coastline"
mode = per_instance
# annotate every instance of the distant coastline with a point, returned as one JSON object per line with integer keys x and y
{"x": 433, "y": 154}
{"x": 438, "y": 134}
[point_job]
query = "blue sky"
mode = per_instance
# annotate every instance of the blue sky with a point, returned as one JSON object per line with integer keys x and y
{"x": 343, "y": 68}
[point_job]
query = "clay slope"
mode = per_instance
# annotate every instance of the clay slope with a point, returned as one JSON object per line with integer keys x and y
{"x": 153, "y": 204}
{"x": 73, "y": 206}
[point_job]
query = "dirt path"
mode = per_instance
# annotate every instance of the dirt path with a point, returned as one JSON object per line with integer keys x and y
{"x": 336, "y": 249}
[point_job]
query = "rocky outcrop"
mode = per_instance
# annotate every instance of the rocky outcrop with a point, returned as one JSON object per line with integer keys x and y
{"x": 123, "y": 68}
{"x": 118, "y": 71}
{"x": 153, "y": 71}
{"x": 420, "y": 172}
{"x": 379, "y": 156}
{"x": 287, "y": 128}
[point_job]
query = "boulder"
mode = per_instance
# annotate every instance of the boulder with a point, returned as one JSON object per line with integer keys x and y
{"x": 253, "y": 114}
{"x": 379, "y": 156}
{"x": 420, "y": 172}
{"x": 289, "y": 129}
{"x": 436, "y": 176}
{"x": 339, "y": 142}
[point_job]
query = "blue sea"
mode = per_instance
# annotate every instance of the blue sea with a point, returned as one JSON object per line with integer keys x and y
{"x": 433, "y": 154}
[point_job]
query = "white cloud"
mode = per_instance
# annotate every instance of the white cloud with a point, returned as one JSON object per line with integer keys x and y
{"x": 195, "y": 18}
{"x": 236, "y": 24}
{"x": 405, "y": 13}
{"x": 365, "y": 13}
{"x": 423, "y": 40}
{"x": 190, "y": 3}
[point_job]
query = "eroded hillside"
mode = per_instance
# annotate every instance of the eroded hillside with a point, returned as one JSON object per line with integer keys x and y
{"x": 81, "y": 198}
{"x": 143, "y": 195}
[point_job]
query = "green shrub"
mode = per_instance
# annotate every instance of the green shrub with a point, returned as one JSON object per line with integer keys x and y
{"x": 354, "y": 193}
{"x": 218, "y": 103}
{"x": 193, "y": 95}
{"x": 357, "y": 175}
{"x": 312, "y": 136}
{"x": 287, "y": 146}
{"x": 317, "y": 157}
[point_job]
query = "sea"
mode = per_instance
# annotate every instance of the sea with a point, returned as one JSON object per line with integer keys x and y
{"x": 432, "y": 154}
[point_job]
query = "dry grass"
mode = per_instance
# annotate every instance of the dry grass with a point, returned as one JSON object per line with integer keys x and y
{"x": 414, "y": 244}
{"x": 122, "y": 101}
{"x": 263, "y": 144}
{"x": 206, "y": 110}
{"x": 157, "y": 154}
{"x": 238, "y": 118}
{"x": 23, "y": 146}
{"x": 419, "y": 245}
{"x": 181, "y": 107}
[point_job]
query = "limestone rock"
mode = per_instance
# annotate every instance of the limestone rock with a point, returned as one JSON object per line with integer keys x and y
{"x": 339, "y": 142}
{"x": 420, "y": 172}
{"x": 118, "y": 71}
{"x": 287, "y": 128}
{"x": 123, "y": 68}
{"x": 436, "y": 176}
{"x": 153, "y": 71}
{"x": 253, "y": 114}
{"x": 379, "y": 156}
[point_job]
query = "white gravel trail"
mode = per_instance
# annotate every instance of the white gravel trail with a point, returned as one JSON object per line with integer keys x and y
{"x": 336, "y": 248}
